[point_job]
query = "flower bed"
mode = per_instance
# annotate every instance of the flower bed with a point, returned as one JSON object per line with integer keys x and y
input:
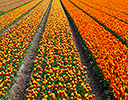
{"x": 115, "y": 26}
{"x": 57, "y": 72}
{"x": 14, "y": 43}
{"x": 7, "y": 5}
{"x": 105, "y": 8}
{"x": 108, "y": 54}
{"x": 11, "y": 16}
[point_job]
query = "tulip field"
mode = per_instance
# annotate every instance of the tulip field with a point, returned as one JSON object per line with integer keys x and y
{"x": 57, "y": 71}
{"x": 6, "y": 5}
{"x": 108, "y": 53}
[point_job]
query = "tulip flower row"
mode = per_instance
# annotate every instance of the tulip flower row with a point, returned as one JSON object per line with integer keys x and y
{"x": 117, "y": 5}
{"x": 120, "y": 28}
{"x": 58, "y": 73}
{"x": 8, "y": 5}
{"x": 10, "y": 17}
{"x": 110, "y": 54}
{"x": 120, "y": 15}
{"x": 6, "y": 1}
{"x": 15, "y": 42}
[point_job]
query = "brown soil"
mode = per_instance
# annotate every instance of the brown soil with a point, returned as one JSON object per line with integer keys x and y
{"x": 22, "y": 82}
